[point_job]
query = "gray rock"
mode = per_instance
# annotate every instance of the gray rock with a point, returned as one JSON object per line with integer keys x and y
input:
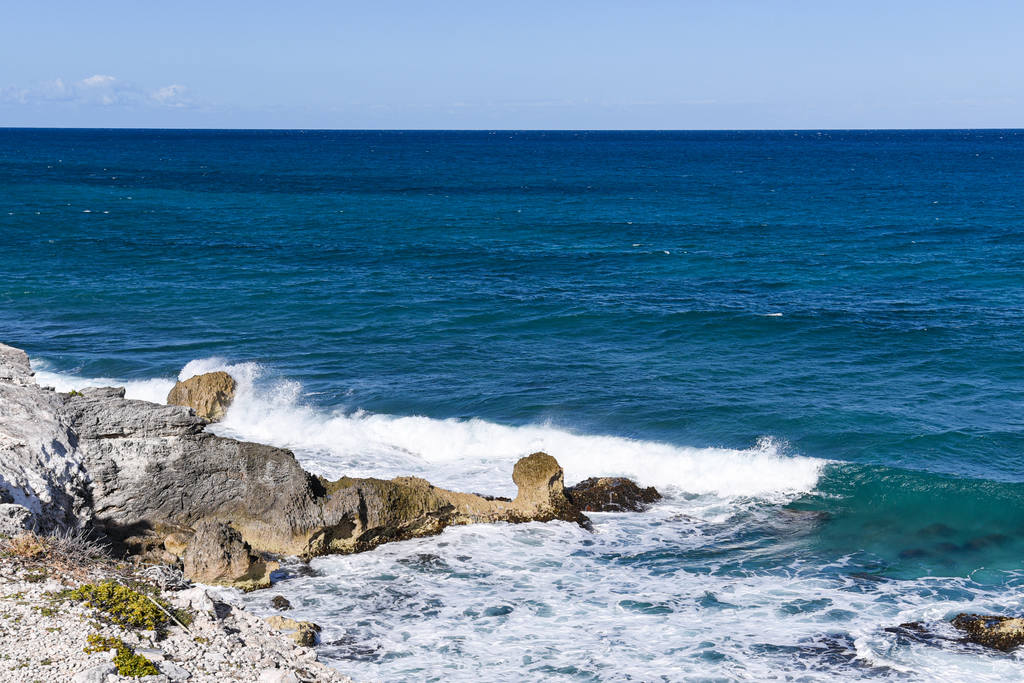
{"x": 145, "y": 473}
{"x": 277, "y": 676}
{"x": 173, "y": 671}
{"x": 40, "y": 468}
{"x": 97, "y": 674}
{"x": 14, "y": 519}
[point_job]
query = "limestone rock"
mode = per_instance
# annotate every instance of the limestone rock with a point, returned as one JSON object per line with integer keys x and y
{"x": 96, "y": 674}
{"x": 1001, "y": 633}
{"x": 217, "y": 554}
{"x": 304, "y": 633}
{"x": 611, "y": 494}
{"x": 39, "y": 466}
{"x": 149, "y": 477}
{"x": 209, "y": 394}
{"x": 14, "y": 519}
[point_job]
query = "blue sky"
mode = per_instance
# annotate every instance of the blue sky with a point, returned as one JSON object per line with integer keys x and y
{"x": 524, "y": 64}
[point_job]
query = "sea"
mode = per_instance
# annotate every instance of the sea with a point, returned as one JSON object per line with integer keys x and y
{"x": 810, "y": 342}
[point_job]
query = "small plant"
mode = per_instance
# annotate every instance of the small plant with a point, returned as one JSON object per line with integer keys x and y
{"x": 98, "y": 643}
{"x": 122, "y": 606}
{"x": 74, "y": 392}
{"x": 127, "y": 662}
{"x": 27, "y": 546}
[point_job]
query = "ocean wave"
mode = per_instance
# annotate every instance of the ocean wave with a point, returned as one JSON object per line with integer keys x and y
{"x": 468, "y": 453}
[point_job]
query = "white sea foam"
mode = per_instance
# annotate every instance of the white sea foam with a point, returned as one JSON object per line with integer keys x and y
{"x": 628, "y": 602}
{"x": 153, "y": 390}
{"x": 473, "y": 454}
{"x": 672, "y": 594}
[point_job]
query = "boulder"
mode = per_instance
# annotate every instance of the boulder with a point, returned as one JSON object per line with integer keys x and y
{"x": 611, "y": 494}
{"x": 1001, "y": 633}
{"x": 304, "y": 633}
{"x": 157, "y": 484}
{"x": 209, "y": 394}
{"x": 217, "y": 554}
{"x": 280, "y": 602}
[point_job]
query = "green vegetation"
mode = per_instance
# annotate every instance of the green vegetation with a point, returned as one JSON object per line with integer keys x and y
{"x": 127, "y": 662}
{"x": 74, "y": 392}
{"x": 121, "y": 605}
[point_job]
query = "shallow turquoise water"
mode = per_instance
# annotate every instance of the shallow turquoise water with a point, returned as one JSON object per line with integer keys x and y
{"x": 811, "y": 340}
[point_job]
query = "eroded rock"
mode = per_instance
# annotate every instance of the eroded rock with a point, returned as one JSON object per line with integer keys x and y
{"x": 1001, "y": 633}
{"x": 611, "y": 494}
{"x": 155, "y": 482}
{"x": 305, "y": 633}
{"x": 209, "y": 394}
{"x": 217, "y": 554}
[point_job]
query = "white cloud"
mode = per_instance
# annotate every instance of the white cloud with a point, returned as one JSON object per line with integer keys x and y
{"x": 98, "y": 80}
{"x": 97, "y": 90}
{"x": 174, "y": 95}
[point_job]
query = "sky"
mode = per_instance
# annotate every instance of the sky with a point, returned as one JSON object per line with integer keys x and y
{"x": 739, "y": 64}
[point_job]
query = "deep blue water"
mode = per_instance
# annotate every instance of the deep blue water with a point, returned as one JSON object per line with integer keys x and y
{"x": 854, "y": 296}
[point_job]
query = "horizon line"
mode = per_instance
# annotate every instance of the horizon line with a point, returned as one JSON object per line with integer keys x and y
{"x": 510, "y": 130}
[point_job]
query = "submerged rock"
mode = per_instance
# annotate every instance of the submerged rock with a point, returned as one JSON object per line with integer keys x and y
{"x": 1001, "y": 633}
{"x": 611, "y": 494}
{"x": 209, "y": 394}
{"x": 280, "y": 602}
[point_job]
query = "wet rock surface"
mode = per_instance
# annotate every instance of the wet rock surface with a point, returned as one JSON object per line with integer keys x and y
{"x": 1001, "y": 633}
{"x": 611, "y": 494}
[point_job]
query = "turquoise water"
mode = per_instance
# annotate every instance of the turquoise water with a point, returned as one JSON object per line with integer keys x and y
{"x": 811, "y": 341}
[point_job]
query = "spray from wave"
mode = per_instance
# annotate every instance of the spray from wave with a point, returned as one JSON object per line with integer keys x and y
{"x": 471, "y": 454}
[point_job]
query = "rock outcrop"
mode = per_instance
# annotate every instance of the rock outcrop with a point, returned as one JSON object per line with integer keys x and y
{"x": 155, "y": 482}
{"x": 40, "y": 467}
{"x": 1001, "y": 633}
{"x": 216, "y": 554}
{"x": 611, "y": 494}
{"x": 209, "y": 394}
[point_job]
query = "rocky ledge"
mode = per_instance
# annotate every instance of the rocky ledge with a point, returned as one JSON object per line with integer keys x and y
{"x": 150, "y": 479}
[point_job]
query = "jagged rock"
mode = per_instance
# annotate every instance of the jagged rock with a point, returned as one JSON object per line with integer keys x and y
{"x": 217, "y": 554}
{"x": 208, "y": 394}
{"x": 14, "y": 519}
{"x": 39, "y": 466}
{"x": 611, "y": 494}
{"x": 280, "y": 602}
{"x": 304, "y": 633}
{"x": 1001, "y": 633}
{"x": 149, "y": 476}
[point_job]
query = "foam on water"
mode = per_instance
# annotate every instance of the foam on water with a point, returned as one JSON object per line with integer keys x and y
{"x": 713, "y": 582}
{"x": 469, "y": 453}
{"x": 651, "y": 597}
{"x": 153, "y": 390}
{"x": 478, "y": 454}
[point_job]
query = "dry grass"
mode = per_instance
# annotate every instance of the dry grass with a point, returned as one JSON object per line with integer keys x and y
{"x": 69, "y": 552}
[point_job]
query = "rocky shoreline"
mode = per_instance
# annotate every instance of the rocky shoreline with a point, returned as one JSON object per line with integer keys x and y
{"x": 149, "y": 483}
{"x": 57, "y": 624}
